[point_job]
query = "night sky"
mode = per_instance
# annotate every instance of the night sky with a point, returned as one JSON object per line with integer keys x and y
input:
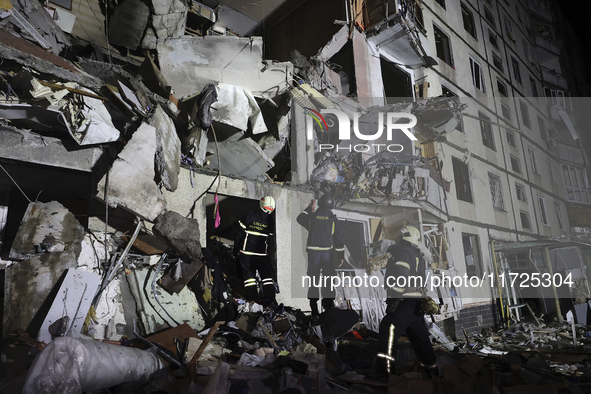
{"x": 578, "y": 12}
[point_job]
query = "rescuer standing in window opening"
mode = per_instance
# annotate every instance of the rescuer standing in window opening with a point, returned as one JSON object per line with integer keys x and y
{"x": 325, "y": 244}
{"x": 406, "y": 305}
{"x": 251, "y": 246}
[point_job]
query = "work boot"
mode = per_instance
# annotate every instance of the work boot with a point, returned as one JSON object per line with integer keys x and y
{"x": 431, "y": 370}
{"x": 327, "y": 303}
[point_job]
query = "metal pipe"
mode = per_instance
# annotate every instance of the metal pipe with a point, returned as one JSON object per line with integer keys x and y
{"x": 554, "y": 292}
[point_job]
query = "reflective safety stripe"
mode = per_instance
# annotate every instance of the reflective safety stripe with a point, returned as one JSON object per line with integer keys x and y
{"x": 382, "y": 355}
{"x": 242, "y": 225}
{"x": 305, "y": 212}
{"x": 317, "y": 248}
{"x": 413, "y": 294}
{"x": 403, "y": 264}
{"x": 390, "y": 343}
{"x": 255, "y": 233}
{"x": 398, "y": 289}
{"x": 250, "y": 282}
{"x": 339, "y": 249}
{"x": 267, "y": 281}
{"x": 252, "y": 253}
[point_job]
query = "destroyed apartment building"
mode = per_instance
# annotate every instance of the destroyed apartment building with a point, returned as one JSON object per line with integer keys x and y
{"x": 135, "y": 134}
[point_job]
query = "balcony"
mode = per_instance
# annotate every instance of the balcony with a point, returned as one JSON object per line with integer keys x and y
{"x": 553, "y": 77}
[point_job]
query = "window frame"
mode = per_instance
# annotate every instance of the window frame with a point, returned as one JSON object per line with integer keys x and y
{"x": 543, "y": 211}
{"x": 522, "y": 215}
{"x": 441, "y": 3}
{"x": 481, "y": 83}
{"x": 496, "y": 190}
{"x": 475, "y": 256}
{"x": 469, "y": 24}
{"x": 486, "y": 131}
{"x": 511, "y": 140}
{"x": 520, "y": 189}
{"x": 446, "y": 46}
{"x": 532, "y": 160}
{"x": 516, "y": 70}
{"x": 498, "y": 62}
{"x": 514, "y": 160}
{"x": 580, "y": 176}
{"x": 461, "y": 169}
{"x": 504, "y": 87}
{"x": 550, "y": 171}
{"x": 489, "y": 16}
{"x": 493, "y": 38}
{"x": 534, "y": 87}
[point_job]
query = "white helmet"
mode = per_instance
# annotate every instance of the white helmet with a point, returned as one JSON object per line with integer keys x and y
{"x": 267, "y": 204}
{"x": 411, "y": 234}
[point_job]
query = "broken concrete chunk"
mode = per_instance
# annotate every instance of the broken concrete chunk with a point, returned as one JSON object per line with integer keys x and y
{"x": 128, "y": 23}
{"x": 236, "y": 106}
{"x": 190, "y": 63}
{"x": 180, "y": 233}
{"x": 131, "y": 178}
{"x": 95, "y": 125}
{"x": 73, "y": 300}
{"x": 43, "y": 226}
{"x": 168, "y": 151}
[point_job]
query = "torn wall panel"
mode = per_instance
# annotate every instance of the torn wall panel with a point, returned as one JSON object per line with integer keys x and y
{"x": 236, "y": 107}
{"x": 131, "y": 178}
{"x": 190, "y": 63}
{"x": 168, "y": 150}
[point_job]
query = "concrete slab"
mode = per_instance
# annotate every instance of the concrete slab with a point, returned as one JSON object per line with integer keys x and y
{"x": 49, "y": 224}
{"x": 73, "y": 300}
{"x": 128, "y": 23}
{"x": 24, "y": 145}
{"x": 168, "y": 149}
{"x": 238, "y": 155}
{"x": 190, "y": 63}
{"x": 97, "y": 127}
{"x": 180, "y": 233}
{"x": 131, "y": 178}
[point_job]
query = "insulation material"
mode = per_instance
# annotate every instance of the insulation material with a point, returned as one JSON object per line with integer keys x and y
{"x": 236, "y": 107}
{"x": 72, "y": 365}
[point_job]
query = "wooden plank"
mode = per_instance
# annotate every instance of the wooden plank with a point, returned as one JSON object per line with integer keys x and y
{"x": 205, "y": 342}
{"x": 219, "y": 381}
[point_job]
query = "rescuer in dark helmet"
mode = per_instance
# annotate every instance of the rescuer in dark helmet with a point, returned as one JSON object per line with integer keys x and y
{"x": 325, "y": 244}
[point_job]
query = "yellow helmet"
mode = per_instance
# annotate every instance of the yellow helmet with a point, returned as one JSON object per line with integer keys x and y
{"x": 411, "y": 234}
{"x": 267, "y": 204}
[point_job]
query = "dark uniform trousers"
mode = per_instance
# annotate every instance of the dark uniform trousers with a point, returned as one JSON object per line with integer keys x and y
{"x": 250, "y": 264}
{"x": 406, "y": 318}
{"x": 320, "y": 261}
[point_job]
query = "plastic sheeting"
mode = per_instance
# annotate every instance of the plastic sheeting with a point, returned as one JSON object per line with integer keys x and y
{"x": 73, "y": 365}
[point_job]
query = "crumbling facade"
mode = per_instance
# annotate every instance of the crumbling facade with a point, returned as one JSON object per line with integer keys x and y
{"x": 134, "y": 136}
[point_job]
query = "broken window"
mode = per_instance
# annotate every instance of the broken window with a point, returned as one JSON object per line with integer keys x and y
{"x": 496, "y": 191}
{"x": 515, "y": 166}
{"x": 497, "y": 62}
{"x": 442, "y": 45}
{"x": 542, "y": 207}
{"x": 532, "y": 160}
{"x": 501, "y": 87}
{"x": 520, "y": 192}
{"x": 489, "y": 16}
{"x": 576, "y": 182}
{"x": 486, "y": 130}
{"x": 511, "y": 138}
{"x": 550, "y": 171}
{"x": 525, "y": 223}
{"x": 448, "y": 93}
{"x": 555, "y": 96}
{"x": 472, "y": 254}
{"x": 397, "y": 83}
{"x": 462, "y": 180}
{"x": 492, "y": 38}
{"x": 516, "y": 72}
{"x": 559, "y": 216}
{"x": 477, "y": 76}
{"x": 468, "y": 18}
{"x": 525, "y": 114}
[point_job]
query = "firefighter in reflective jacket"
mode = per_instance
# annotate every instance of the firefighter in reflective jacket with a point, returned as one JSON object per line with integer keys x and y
{"x": 403, "y": 312}
{"x": 251, "y": 246}
{"x": 325, "y": 240}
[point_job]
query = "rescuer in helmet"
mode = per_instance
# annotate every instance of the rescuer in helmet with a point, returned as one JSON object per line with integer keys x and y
{"x": 325, "y": 243}
{"x": 251, "y": 246}
{"x": 404, "y": 312}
